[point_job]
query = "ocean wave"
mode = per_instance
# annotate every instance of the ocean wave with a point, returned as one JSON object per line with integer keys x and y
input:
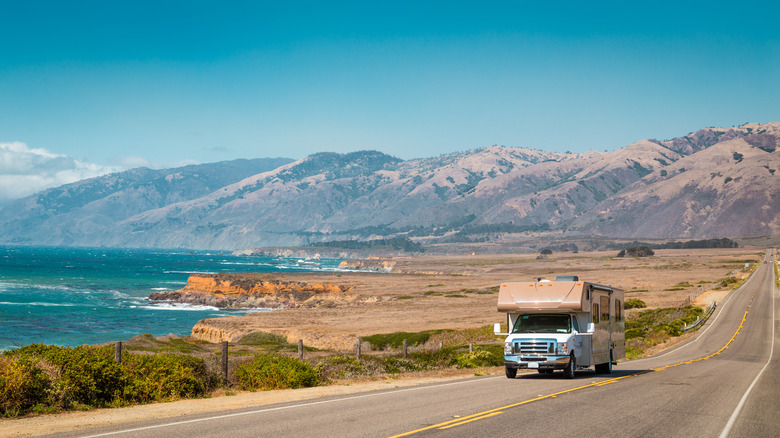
{"x": 177, "y": 306}
{"x": 161, "y": 288}
{"x": 189, "y": 272}
{"x": 5, "y": 303}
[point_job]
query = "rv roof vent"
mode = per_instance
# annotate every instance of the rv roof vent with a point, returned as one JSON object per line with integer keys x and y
{"x": 567, "y": 278}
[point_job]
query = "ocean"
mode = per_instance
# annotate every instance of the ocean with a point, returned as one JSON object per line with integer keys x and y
{"x": 75, "y": 296}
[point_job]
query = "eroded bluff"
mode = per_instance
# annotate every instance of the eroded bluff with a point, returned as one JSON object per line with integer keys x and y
{"x": 246, "y": 291}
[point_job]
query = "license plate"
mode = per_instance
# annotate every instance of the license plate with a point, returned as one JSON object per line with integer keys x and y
{"x": 533, "y": 364}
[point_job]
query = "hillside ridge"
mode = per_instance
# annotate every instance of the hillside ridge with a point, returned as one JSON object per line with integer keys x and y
{"x": 711, "y": 183}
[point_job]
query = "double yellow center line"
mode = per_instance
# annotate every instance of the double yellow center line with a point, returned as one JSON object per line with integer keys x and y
{"x": 497, "y": 411}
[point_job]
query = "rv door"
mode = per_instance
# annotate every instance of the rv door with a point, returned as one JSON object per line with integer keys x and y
{"x": 602, "y": 338}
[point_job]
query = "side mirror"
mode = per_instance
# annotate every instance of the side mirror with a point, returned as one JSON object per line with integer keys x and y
{"x": 497, "y": 328}
{"x": 591, "y": 327}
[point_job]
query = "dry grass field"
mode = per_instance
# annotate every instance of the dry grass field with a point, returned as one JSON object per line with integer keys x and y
{"x": 459, "y": 291}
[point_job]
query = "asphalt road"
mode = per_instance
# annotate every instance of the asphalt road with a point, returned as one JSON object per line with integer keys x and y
{"x": 723, "y": 382}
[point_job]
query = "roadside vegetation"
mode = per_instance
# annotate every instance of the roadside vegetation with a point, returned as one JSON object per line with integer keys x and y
{"x": 47, "y": 379}
{"x": 42, "y": 379}
{"x": 651, "y": 327}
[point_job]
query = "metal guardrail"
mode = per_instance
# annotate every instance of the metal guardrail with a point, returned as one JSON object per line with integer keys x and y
{"x": 699, "y": 322}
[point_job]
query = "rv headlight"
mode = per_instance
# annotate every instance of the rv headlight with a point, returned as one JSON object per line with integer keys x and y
{"x": 507, "y": 348}
{"x": 563, "y": 348}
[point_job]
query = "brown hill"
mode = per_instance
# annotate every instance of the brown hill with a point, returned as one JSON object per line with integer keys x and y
{"x": 711, "y": 183}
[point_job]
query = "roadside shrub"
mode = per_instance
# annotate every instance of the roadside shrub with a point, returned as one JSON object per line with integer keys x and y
{"x": 634, "y": 303}
{"x": 267, "y": 372}
{"x": 262, "y": 338}
{"x": 634, "y": 333}
{"x": 652, "y": 326}
{"x": 85, "y": 375}
{"x": 396, "y": 340}
{"x": 23, "y": 384}
{"x": 164, "y": 377}
{"x": 479, "y": 358}
{"x": 89, "y": 376}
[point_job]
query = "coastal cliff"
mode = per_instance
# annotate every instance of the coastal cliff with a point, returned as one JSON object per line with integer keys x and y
{"x": 371, "y": 264}
{"x": 252, "y": 291}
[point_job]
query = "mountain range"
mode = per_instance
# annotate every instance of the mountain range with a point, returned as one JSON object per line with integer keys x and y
{"x": 712, "y": 183}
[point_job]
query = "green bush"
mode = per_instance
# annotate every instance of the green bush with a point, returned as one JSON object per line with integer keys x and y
{"x": 262, "y": 338}
{"x": 634, "y": 333}
{"x": 479, "y": 358}
{"x": 267, "y": 372}
{"x": 85, "y": 375}
{"x": 164, "y": 377}
{"x": 650, "y": 327}
{"x": 396, "y": 340}
{"x": 63, "y": 377}
{"x": 23, "y": 384}
{"x": 634, "y": 303}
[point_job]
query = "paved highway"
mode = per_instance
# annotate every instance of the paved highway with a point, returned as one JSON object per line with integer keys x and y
{"x": 723, "y": 382}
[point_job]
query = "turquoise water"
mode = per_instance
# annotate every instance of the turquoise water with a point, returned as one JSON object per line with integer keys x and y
{"x": 74, "y": 296}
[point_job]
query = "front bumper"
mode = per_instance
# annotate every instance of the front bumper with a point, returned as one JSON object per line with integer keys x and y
{"x": 536, "y": 362}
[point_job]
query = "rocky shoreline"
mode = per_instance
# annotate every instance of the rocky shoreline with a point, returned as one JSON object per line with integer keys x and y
{"x": 252, "y": 291}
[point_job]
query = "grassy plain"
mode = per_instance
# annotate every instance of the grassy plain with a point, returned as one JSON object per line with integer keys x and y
{"x": 439, "y": 292}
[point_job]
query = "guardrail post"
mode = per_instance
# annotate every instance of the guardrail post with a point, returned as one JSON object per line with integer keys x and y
{"x": 118, "y": 352}
{"x": 300, "y": 349}
{"x": 358, "y": 348}
{"x": 471, "y": 348}
{"x": 225, "y": 359}
{"x": 406, "y": 344}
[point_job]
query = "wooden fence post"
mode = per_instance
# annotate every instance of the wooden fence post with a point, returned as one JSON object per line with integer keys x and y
{"x": 300, "y": 349}
{"x": 225, "y": 359}
{"x": 471, "y": 348}
{"x": 358, "y": 348}
{"x": 405, "y": 346}
{"x": 118, "y": 352}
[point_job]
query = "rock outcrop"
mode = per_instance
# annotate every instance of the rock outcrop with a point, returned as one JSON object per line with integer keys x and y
{"x": 375, "y": 265}
{"x": 252, "y": 291}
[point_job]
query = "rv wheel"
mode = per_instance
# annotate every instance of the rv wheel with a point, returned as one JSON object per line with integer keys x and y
{"x": 511, "y": 373}
{"x": 605, "y": 368}
{"x": 568, "y": 372}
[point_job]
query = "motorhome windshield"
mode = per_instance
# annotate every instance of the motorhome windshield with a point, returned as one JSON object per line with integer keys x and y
{"x": 543, "y": 323}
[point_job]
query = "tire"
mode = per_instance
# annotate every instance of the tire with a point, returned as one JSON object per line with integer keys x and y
{"x": 568, "y": 372}
{"x": 605, "y": 368}
{"x": 511, "y": 373}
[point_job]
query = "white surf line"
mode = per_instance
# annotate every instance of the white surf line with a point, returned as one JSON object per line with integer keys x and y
{"x": 738, "y": 409}
{"x": 300, "y": 405}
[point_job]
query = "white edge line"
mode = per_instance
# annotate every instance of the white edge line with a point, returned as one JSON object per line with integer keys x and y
{"x": 735, "y": 414}
{"x": 260, "y": 411}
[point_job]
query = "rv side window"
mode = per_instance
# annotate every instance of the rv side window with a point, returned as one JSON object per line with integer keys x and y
{"x": 605, "y": 309}
{"x": 595, "y": 313}
{"x": 575, "y": 324}
{"x": 618, "y": 310}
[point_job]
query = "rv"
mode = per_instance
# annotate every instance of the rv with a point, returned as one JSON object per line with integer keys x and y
{"x": 566, "y": 324}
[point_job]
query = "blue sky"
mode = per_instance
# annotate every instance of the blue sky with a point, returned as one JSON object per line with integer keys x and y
{"x": 87, "y": 87}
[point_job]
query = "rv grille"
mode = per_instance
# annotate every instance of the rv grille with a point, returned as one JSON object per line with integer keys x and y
{"x": 535, "y": 346}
